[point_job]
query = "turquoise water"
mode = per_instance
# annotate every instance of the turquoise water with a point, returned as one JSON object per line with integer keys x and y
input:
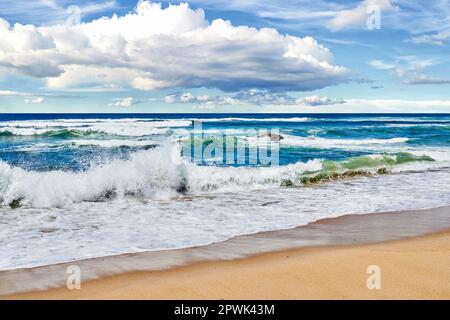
{"x": 80, "y": 186}
{"x": 77, "y": 142}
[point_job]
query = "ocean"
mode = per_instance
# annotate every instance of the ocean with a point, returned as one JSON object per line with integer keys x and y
{"x": 76, "y": 186}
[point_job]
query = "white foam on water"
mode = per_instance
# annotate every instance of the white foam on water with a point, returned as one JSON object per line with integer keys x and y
{"x": 154, "y": 173}
{"x": 313, "y": 141}
{"x": 158, "y": 173}
{"x": 385, "y": 119}
{"x": 122, "y": 127}
{"x": 87, "y": 122}
{"x": 32, "y": 236}
{"x": 124, "y": 130}
{"x": 425, "y": 125}
{"x": 158, "y": 200}
{"x": 237, "y": 119}
{"x": 373, "y": 145}
{"x": 112, "y": 143}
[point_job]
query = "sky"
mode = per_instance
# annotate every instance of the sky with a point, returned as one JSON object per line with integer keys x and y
{"x": 296, "y": 56}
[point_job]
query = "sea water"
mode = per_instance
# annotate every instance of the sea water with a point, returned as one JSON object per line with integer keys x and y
{"x": 83, "y": 186}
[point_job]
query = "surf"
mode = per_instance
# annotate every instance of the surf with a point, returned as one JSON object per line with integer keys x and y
{"x": 163, "y": 173}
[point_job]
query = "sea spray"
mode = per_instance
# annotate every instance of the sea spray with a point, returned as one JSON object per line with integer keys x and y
{"x": 153, "y": 174}
{"x": 162, "y": 173}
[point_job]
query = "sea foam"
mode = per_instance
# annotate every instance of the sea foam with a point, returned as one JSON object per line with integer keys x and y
{"x": 162, "y": 173}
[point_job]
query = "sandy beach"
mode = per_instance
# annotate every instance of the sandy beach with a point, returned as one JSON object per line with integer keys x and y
{"x": 216, "y": 150}
{"x": 414, "y": 268}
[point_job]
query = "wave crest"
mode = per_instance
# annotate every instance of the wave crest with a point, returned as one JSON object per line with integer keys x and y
{"x": 162, "y": 173}
{"x": 153, "y": 173}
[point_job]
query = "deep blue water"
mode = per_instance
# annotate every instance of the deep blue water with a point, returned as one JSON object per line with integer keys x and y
{"x": 45, "y": 142}
{"x": 55, "y": 116}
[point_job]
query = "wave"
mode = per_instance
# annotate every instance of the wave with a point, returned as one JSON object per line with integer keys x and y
{"x": 162, "y": 173}
{"x": 313, "y": 141}
{"x": 145, "y": 174}
{"x": 115, "y": 143}
{"x": 88, "y": 122}
{"x": 68, "y": 133}
{"x": 87, "y": 131}
{"x": 362, "y": 165}
{"x": 387, "y": 119}
{"x": 6, "y": 133}
{"x": 58, "y": 133}
{"x": 444, "y": 126}
{"x": 232, "y": 119}
{"x": 112, "y": 143}
{"x": 294, "y": 141}
{"x": 324, "y": 143}
{"x": 67, "y": 129}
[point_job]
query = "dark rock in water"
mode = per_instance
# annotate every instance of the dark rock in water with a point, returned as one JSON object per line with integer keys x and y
{"x": 16, "y": 203}
{"x": 272, "y": 136}
{"x": 108, "y": 194}
{"x": 287, "y": 183}
{"x": 183, "y": 187}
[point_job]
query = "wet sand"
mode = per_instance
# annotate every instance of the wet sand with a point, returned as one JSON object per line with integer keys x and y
{"x": 330, "y": 260}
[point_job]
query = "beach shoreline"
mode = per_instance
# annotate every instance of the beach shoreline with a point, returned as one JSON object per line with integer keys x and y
{"x": 343, "y": 242}
{"x": 414, "y": 268}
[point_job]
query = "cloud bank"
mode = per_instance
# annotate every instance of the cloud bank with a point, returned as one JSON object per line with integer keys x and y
{"x": 251, "y": 97}
{"x": 124, "y": 102}
{"x": 36, "y": 100}
{"x": 411, "y": 70}
{"x": 175, "y": 47}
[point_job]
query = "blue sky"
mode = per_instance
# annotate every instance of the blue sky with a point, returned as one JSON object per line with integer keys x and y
{"x": 225, "y": 56}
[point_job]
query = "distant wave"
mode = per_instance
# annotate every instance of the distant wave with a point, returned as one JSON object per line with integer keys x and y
{"x": 67, "y": 128}
{"x": 89, "y": 122}
{"x": 313, "y": 141}
{"x": 85, "y": 131}
{"x": 112, "y": 143}
{"x": 234, "y": 119}
{"x": 163, "y": 173}
{"x": 387, "y": 119}
{"x": 299, "y": 141}
{"x": 424, "y": 125}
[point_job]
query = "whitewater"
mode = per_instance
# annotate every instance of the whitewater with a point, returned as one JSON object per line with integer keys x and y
{"x": 84, "y": 186}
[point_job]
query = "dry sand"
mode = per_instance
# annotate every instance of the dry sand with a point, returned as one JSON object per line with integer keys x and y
{"x": 415, "y": 268}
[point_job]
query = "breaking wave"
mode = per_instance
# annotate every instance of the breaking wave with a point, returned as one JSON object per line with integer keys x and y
{"x": 83, "y": 132}
{"x": 68, "y": 129}
{"x": 233, "y": 119}
{"x": 313, "y": 141}
{"x": 162, "y": 173}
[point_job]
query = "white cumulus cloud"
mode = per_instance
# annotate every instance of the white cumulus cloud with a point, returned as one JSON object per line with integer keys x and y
{"x": 174, "y": 47}
{"x": 319, "y": 101}
{"x": 201, "y": 99}
{"x": 411, "y": 70}
{"x": 35, "y": 100}
{"x": 381, "y": 65}
{"x": 9, "y": 93}
{"x": 252, "y": 97}
{"x": 124, "y": 102}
